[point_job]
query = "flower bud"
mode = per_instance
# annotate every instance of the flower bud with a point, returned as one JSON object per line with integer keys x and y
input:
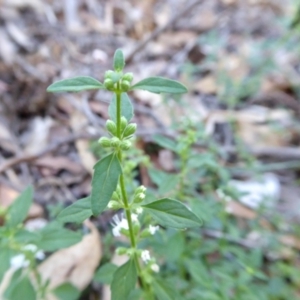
{"x": 108, "y": 74}
{"x": 111, "y": 127}
{"x": 105, "y": 142}
{"x": 145, "y": 233}
{"x": 115, "y": 142}
{"x": 125, "y": 145}
{"x": 129, "y": 130}
{"x": 121, "y": 250}
{"x": 140, "y": 189}
{"x": 136, "y": 228}
{"x": 138, "y": 198}
{"x": 112, "y": 204}
{"x": 124, "y": 123}
{"x": 125, "y": 85}
{"x": 128, "y": 77}
{"x": 109, "y": 84}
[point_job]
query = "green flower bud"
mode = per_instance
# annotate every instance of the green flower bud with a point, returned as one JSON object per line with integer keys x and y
{"x": 138, "y": 198}
{"x": 145, "y": 233}
{"x": 115, "y": 142}
{"x": 125, "y": 145}
{"x": 105, "y": 142}
{"x": 121, "y": 250}
{"x": 109, "y": 84}
{"x": 125, "y": 85}
{"x": 111, "y": 127}
{"x": 128, "y": 77}
{"x": 124, "y": 123}
{"x": 108, "y": 74}
{"x": 112, "y": 204}
{"x": 136, "y": 228}
{"x": 129, "y": 130}
{"x": 140, "y": 189}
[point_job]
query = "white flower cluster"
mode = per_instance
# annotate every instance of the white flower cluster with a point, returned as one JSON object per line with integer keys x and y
{"x": 21, "y": 261}
{"x": 145, "y": 256}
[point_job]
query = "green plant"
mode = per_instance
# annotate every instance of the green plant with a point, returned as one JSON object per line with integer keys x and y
{"x": 109, "y": 185}
{"x": 20, "y": 248}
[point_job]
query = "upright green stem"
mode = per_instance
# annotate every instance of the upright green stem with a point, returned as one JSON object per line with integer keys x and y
{"x": 144, "y": 285}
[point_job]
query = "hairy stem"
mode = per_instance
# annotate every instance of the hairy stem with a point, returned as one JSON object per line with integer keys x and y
{"x": 144, "y": 285}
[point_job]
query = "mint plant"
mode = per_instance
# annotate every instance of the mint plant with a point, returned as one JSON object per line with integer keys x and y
{"x": 22, "y": 248}
{"x": 109, "y": 186}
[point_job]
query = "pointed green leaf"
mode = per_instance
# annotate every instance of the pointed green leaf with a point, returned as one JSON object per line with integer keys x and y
{"x": 75, "y": 84}
{"x": 76, "y": 212}
{"x": 172, "y": 213}
{"x": 19, "y": 288}
{"x": 166, "y": 182}
{"x": 165, "y": 142}
{"x": 17, "y": 212}
{"x": 55, "y": 236}
{"x": 66, "y": 291}
{"x": 124, "y": 281}
{"x": 126, "y": 108}
{"x": 119, "y": 62}
{"x": 105, "y": 273}
{"x": 104, "y": 182}
{"x": 165, "y": 290}
{"x": 5, "y": 256}
{"x": 160, "y": 85}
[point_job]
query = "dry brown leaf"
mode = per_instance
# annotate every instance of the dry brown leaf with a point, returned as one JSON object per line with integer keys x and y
{"x": 75, "y": 264}
{"x": 291, "y": 241}
{"x": 206, "y": 85}
{"x": 36, "y": 139}
{"x": 58, "y": 163}
{"x": 252, "y": 125}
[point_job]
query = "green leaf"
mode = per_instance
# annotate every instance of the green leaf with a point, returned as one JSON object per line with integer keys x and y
{"x": 5, "y": 256}
{"x": 24, "y": 236}
{"x": 105, "y": 273}
{"x": 172, "y": 213}
{"x": 124, "y": 281}
{"x": 76, "y": 212}
{"x": 166, "y": 182}
{"x": 55, "y": 237}
{"x": 104, "y": 182}
{"x": 165, "y": 290}
{"x": 75, "y": 84}
{"x": 119, "y": 62}
{"x": 165, "y": 142}
{"x": 17, "y": 212}
{"x": 160, "y": 85}
{"x": 20, "y": 288}
{"x": 66, "y": 291}
{"x": 126, "y": 108}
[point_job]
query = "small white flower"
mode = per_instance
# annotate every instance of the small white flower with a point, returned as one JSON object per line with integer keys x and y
{"x": 110, "y": 204}
{"x": 19, "y": 261}
{"x": 134, "y": 218}
{"x": 139, "y": 210}
{"x": 119, "y": 222}
{"x": 155, "y": 268}
{"x": 40, "y": 255}
{"x": 142, "y": 189}
{"x": 34, "y": 249}
{"x": 153, "y": 229}
{"x": 141, "y": 196}
{"x": 30, "y": 247}
{"x": 145, "y": 255}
